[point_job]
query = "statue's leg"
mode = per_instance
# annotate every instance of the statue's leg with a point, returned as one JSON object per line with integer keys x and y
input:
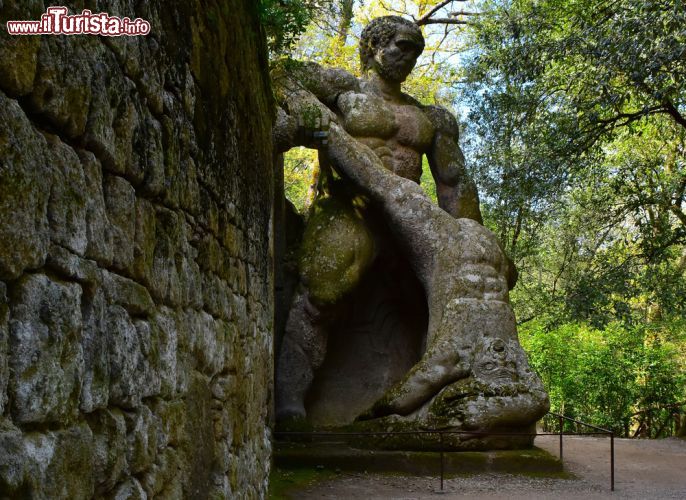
{"x": 302, "y": 351}
{"x": 337, "y": 249}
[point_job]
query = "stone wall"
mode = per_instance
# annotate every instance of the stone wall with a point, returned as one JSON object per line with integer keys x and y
{"x": 135, "y": 256}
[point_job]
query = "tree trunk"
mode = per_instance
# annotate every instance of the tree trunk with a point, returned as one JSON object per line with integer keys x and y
{"x": 345, "y": 21}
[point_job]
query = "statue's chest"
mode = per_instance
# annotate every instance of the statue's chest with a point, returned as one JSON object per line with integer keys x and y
{"x": 370, "y": 116}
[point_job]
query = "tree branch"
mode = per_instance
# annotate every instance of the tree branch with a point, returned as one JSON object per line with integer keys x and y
{"x": 674, "y": 113}
{"x": 423, "y": 20}
{"x": 463, "y": 13}
{"x": 441, "y": 21}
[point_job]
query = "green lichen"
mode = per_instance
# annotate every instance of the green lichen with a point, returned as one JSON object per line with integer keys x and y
{"x": 337, "y": 249}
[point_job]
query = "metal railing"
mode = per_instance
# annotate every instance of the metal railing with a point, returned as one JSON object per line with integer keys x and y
{"x": 442, "y": 433}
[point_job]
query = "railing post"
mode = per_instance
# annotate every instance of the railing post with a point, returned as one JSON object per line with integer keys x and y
{"x": 442, "y": 466}
{"x": 561, "y": 425}
{"x": 612, "y": 461}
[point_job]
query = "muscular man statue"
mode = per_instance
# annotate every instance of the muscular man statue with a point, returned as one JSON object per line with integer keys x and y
{"x": 373, "y": 113}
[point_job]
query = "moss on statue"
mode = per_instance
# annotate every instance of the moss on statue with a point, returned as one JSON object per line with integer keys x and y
{"x": 337, "y": 249}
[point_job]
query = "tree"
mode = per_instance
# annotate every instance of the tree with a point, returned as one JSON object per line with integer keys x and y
{"x": 578, "y": 107}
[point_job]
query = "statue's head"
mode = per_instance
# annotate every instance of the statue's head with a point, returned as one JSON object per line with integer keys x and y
{"x": 390, "y": 45}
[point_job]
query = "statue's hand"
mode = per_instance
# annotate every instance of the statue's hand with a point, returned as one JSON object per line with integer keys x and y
{"x": 313, "y": 128}
{"x": 302, "y": 120}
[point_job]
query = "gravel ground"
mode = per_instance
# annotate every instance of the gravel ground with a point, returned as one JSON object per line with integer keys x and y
{"x": 644, "y": 470}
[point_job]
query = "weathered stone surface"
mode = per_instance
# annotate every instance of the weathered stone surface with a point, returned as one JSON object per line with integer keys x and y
{"x": 471, "y": 340}
{"x": 172, "y": 423}
{"x": 127, "y": 293}
{"x": 95, "y": 389}
{"x": 144, "y": 241}
{"x": 109, "y": 449}
{"x": 120, "y": 199}
{"x": 12, "y": 459}
{"x": 67, "y": 206}
{"x": 25, "y": 181}
{"x": 62, "y": 85}
{"x": 217, "y": 296}
{"x": 113, "y": 118}
{"x": 98, "y": 228}
{"x": 18, "y": 56}
{"x": 71, "y": 266}
{"x": 47, "y": 360}
{"x": 165, "y": 332}
{"x": 131, "y": 489}
{"x": 206, "y": 339}
{"x": 4, "y": 334}
{"x": 472, "y": 373}
{"x": 162, "y": 479}
{"x": 142, "y": 430}
{"x": 50, "y": 465}
{"x": 120, "y": 158}
{"x": 129, "y": 369}
{"x": 69, "y": 471}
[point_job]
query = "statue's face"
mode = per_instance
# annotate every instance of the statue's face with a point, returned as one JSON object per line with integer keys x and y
{"x": 395, "y": 61}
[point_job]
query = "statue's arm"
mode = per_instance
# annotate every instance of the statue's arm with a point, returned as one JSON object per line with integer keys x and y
{"x": 302, "y": 90}
{"x": 455, "y": 189}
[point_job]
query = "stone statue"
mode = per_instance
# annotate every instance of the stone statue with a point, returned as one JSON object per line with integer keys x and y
{"x": 466, "y": 371}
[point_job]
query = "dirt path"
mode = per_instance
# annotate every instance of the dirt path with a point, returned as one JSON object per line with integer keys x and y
{"x": 643, "y": 470}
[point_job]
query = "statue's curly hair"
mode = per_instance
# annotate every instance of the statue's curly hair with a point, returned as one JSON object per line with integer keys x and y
{"x": 380, "y": 31}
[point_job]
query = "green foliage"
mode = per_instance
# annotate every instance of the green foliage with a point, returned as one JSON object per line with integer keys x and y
{"x": 285, "y": 20}
{"x": 614, "y": 378}
{"x": 300, "y": 170}
{"x": 578, "y": 141}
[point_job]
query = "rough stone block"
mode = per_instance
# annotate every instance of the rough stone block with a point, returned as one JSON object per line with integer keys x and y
{"x": 25, "y": 182}
{"x": 95, "y": 344}
{"x": 239, "y": 316}
{"x": 164, "y": 325}
{"x": 148, "y": 155}
{"x": 4, "y": 333}
{"x": 120, "y": 200}
{"x": 69, "y": 457}
{"x": 172, "y": 161}
{"x": 98, "y": 228}
{"x": 18, "y": 54}
{"x": 142, "y": 429}
{"x": 209, "y": 212}
{"x": 130, "y": 489}
{"x": 189, "y": 196}
{"x": 188, "y": 271}
{"x": 113, "y": 118}
{"x": 172, "y": 415}
{"x": 161, "y": 479}
{"x": 62, "y": 86}
{"x": 169, "y": 241}
{"x": 127, "y": 293}
{"x": 207, "y": 341}
{"x": 67, "y": 206}
{"x": 144, "y": 241}
{"x": 47, "y": 465}
{"x": 12, "y": 460}
{"x": 176, "y": 277}
{"x": 148, "y": 360}
{"x": 133, "y": 359}
{"x": 209, "y": 254}
{"x": 45, "y": 341}
{"x": 127, "y": 375}
{"x": 109, "y": 449}
{"x": 217, "y": 296}
{"x": 135, "y": 54}
{"x": 71, "y": 266}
